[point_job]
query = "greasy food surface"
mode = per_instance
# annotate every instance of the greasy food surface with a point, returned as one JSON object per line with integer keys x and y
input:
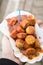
{"x": 23, "y": 33}
{"x": 30, "y": 39}
{"x": 19, "y": 43}
{"x": 30, "y": 30}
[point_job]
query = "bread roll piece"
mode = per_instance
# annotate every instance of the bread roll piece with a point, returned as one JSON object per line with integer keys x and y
{"x": 30, "y": 39}
{"x": 30, "y": 30}
{"x": 19, "y": 43}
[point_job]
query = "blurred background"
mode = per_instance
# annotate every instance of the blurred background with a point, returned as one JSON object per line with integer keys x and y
{"x": 7, "y": 6}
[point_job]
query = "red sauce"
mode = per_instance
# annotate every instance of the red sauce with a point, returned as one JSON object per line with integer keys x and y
{"x": 41, "y": 51}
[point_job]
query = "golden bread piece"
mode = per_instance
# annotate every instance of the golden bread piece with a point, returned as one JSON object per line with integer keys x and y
{"x": 30, "y": 39}
{"x": 30, "y": 30}
{"x": 19, "y": 43}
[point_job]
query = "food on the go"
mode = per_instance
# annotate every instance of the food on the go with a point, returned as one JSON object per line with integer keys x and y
{"x": 37, "y": 44}
{"x": 20, "y": 29}
{"x": 19, "y": 43}
{"x": 31, "y": 20}
{"x": 26, "y": 46}
{"x": 23, "y": 33}
{"x": 13, "y": 34}
{"x": 30, "y": 39}
{"x": 13, "y": 21}
{"x": 30, "y": 51}
{"x": 24, "y": 23}
{"x": 30, "y": 30}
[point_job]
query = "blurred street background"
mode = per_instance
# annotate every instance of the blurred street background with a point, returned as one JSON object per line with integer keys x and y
{"x": 33, "y": 6}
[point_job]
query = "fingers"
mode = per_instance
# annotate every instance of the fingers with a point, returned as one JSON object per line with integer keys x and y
{"x": 7, "y": 51}
{"x": 6, "y": 48}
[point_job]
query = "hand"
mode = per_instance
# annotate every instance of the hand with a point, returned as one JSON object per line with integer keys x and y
{"x": 7, "y": 51}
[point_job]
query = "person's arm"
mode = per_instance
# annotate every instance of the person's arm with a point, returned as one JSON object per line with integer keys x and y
{"x": 4, "y": 61}
{"x": 7, "y": 51}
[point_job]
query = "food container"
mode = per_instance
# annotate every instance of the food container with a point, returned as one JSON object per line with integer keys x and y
{"x": 4, "y": 30}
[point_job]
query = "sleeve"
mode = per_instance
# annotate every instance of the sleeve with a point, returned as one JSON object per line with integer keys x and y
{"x": 4, "y": 61}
